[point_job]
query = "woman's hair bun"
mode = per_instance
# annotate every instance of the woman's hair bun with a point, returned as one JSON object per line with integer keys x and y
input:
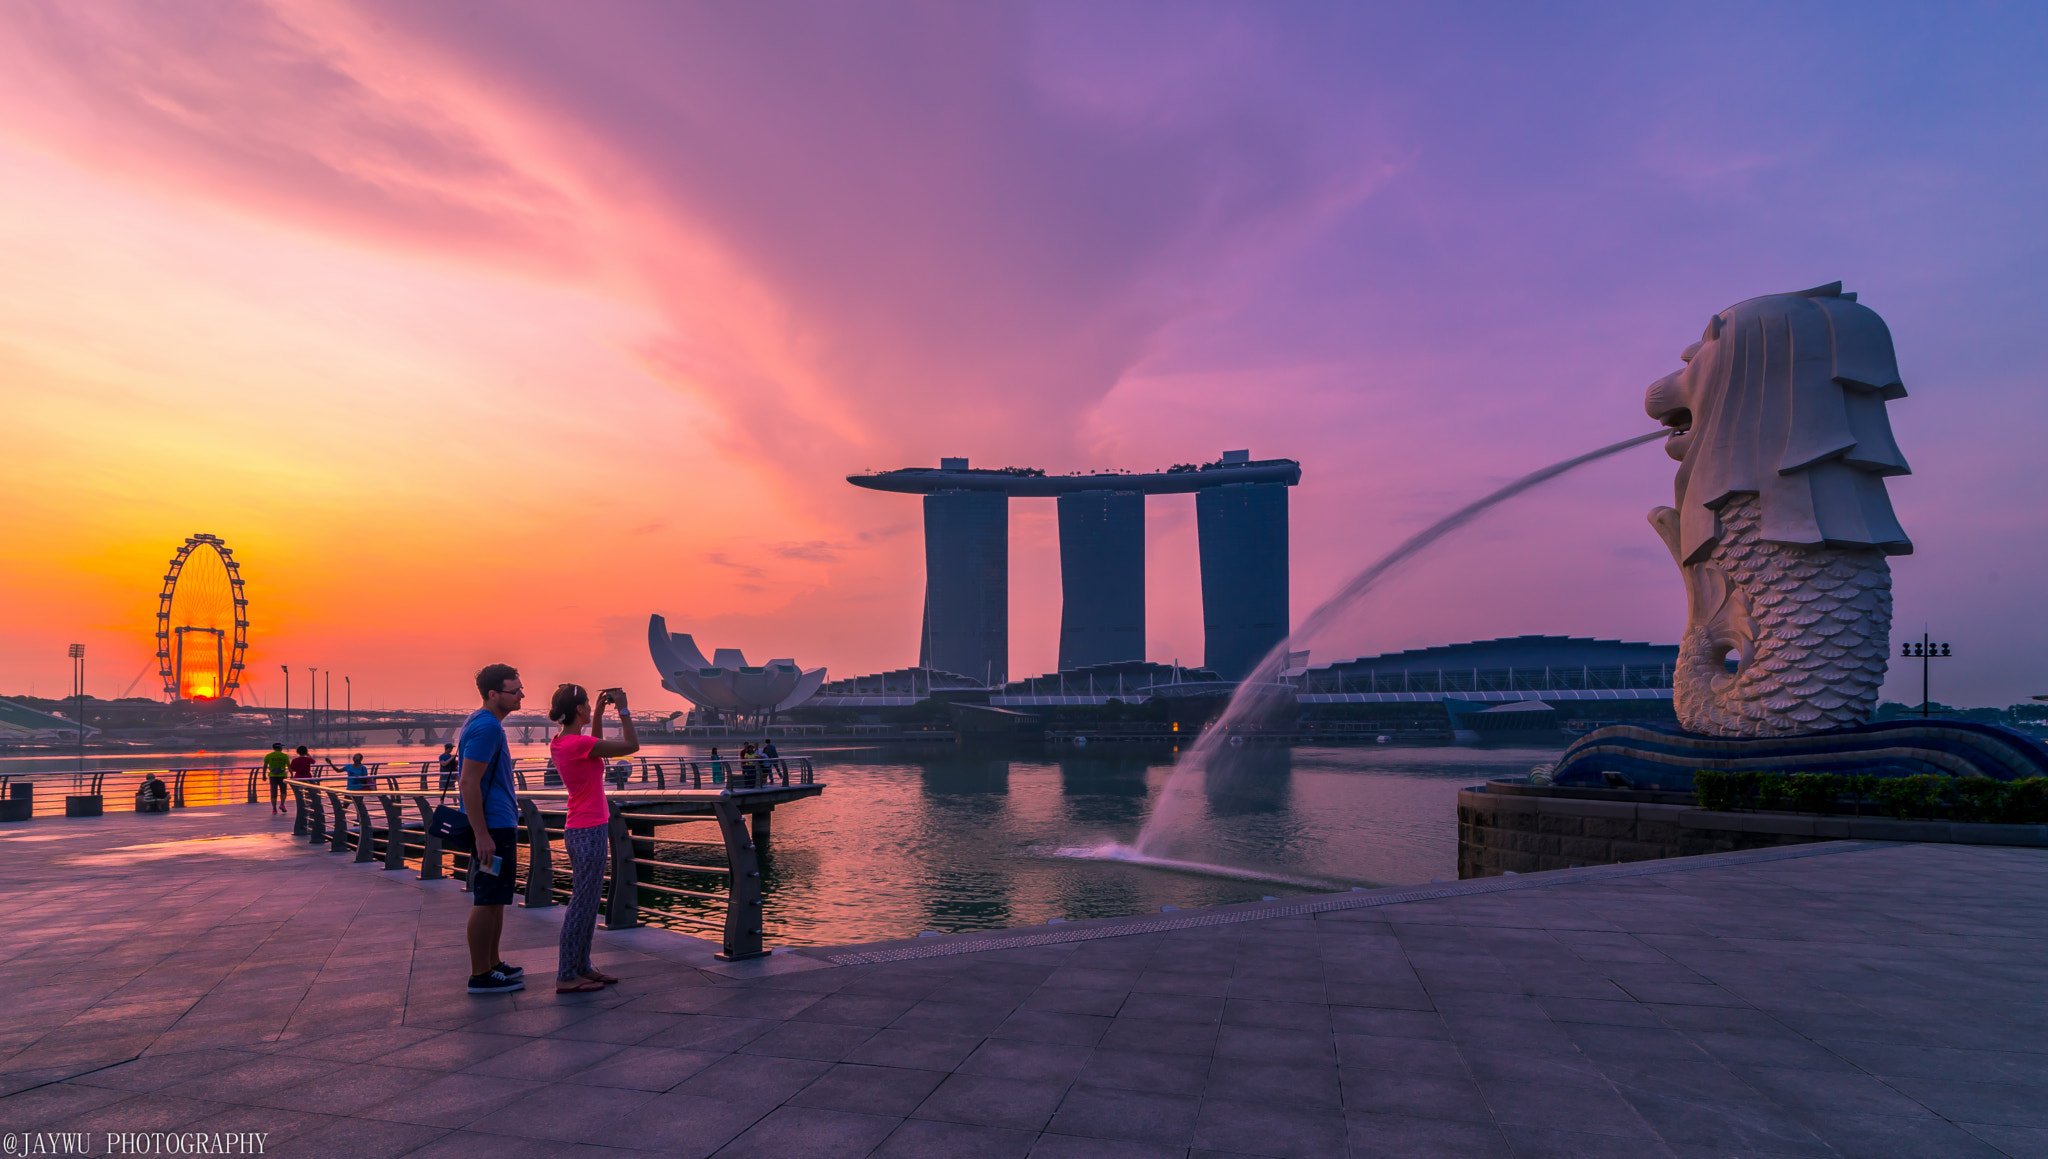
{"x": 568, "y": 697}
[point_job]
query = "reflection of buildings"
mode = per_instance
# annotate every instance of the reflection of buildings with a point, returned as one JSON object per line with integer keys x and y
{"x": 1240, "y": 782}
{"x": 1240, "y": 512}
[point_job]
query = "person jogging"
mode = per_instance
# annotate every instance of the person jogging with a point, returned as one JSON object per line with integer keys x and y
{"x": 276, "y": 765}
{"x": 580, "y": 759}
{"x": 493, "y": 812}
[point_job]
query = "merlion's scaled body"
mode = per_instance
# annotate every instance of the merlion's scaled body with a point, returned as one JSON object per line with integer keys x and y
{"x": 1782, "y": 523}
{"x": 1812, "y": 625}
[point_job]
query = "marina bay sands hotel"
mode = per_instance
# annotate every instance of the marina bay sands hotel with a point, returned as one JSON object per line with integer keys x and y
{"x": 1240, "y": 514}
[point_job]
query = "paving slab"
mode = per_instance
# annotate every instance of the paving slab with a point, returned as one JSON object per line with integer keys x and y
{"x": 202, "y": 971}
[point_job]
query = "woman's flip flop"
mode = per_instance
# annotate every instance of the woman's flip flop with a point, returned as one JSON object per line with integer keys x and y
{"x": 580, "y": 986}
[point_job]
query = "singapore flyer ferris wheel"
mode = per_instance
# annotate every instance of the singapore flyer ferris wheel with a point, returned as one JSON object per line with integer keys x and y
{"x": 202, "y": 622}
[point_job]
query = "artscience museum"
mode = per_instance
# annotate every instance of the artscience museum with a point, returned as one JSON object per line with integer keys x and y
{"x": 726, "y": 683}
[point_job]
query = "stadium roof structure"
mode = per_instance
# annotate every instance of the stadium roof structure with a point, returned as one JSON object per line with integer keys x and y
{"x": 1500, "y": 670}
{"x": 1516, "y": 651}
{"x": 20, "y": 722}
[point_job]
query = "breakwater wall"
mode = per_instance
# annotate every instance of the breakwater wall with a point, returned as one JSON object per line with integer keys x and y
{"x": 1505, "y": 828}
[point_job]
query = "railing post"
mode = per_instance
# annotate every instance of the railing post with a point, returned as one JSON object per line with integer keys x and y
{"x": 317, "y": 832}
{"x": 178, "y": 790}
{"x": 623, "y": 910}
{"x": 252, "y": 785}
{"x": 540, "y": 860}
{"x": 430, "y": 845}
{"x": 298, "y": 811}
{"x": 743, "y": 888}
{"x": 337, "y": 841}
{"x": 365, "y": 843}
{"x": 394, "y": 831}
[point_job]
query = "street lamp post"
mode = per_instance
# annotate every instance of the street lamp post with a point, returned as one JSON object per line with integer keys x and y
{"x": 348, "y": 712}
{"x": 313, "y": 704}
{"x": 77, "y": 653}
{"x": 287, "y": 703}
{"x": 327, "y": 715}
{"x": 1926, "y": 651}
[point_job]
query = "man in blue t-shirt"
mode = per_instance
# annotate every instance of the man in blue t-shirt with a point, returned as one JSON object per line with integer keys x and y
{"x": 493, "y": 812}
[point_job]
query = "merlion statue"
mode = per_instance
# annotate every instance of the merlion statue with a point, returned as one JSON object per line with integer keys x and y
{"x": 1782, "y": 523}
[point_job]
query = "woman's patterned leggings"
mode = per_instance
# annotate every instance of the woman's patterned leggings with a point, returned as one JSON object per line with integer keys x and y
{"x": 586, "y": 860}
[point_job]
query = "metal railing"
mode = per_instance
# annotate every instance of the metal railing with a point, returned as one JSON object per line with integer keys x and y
{"x": 189, "y": 786}
{"x": 725, "y": 772}
{"x": 225, "y": 784}
{"x": 323, "y": 815}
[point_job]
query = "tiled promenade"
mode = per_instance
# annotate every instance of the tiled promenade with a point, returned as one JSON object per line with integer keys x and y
{"x": 1869, "y": 1002}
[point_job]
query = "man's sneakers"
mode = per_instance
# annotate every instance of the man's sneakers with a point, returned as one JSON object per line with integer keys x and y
{"x": 509, "y": 970}
{"x": 495, "y": 982}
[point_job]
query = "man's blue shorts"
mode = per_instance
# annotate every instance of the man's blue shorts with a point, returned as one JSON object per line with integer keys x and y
{"x": 502, "y": 889}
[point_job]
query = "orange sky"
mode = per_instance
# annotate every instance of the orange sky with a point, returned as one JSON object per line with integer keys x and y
{"x": 482, "y": 333}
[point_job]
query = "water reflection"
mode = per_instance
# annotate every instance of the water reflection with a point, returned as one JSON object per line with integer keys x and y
{"x": 910, "y": 838}
{"x": 1096, "y": 776}
{"x": 947, "y": 775}
{"x": 1253, "y": 779}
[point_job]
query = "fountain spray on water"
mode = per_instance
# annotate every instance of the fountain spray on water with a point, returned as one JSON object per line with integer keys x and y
{"x": 1261, "y": 692}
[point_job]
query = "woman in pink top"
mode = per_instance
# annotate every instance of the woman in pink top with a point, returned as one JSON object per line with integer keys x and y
{"x": 580, "y": 760}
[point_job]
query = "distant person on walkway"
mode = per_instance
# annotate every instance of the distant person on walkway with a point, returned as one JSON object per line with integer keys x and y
{"x": 451, "y": 769}
{"x": 717, "y": 768}
{"x": 152, "y": 796}
{"x": 580, "y": 759}
{"x": 768, "y": 750}
{"x": 276, "y": 764}
{"x": 486, "y": 794}
{"x": 357, "y": 772}
{"x": 302, "y": 765}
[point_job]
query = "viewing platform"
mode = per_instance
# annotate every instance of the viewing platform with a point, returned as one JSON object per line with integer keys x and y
{"x": 202, "y": 971}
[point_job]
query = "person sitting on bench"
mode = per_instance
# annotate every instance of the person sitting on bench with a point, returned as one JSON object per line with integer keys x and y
{"x": 152, "y": 796}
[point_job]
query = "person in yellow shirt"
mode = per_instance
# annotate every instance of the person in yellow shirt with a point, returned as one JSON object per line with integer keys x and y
{"x": 275, "y": 763}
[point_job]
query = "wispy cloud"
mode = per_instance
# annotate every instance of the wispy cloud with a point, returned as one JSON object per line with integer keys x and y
{"x": 831, "y": 551}
{"x": 816, "y": 551}
{"x": 749, "y": 570}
